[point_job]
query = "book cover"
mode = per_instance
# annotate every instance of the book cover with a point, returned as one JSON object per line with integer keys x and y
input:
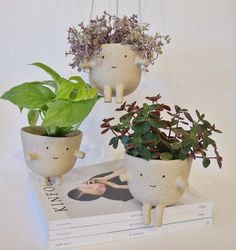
{"x": 81, "y": 201}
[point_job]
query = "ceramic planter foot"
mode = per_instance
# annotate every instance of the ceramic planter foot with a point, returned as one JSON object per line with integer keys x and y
{"x": 158, "y": 215}
{"x": 119, "y": 93}
{"x": 147, "y": 208}
{"x": 107, "y": 94}
{"x": 58, "y": 180}
{"x": 45, "y": 181}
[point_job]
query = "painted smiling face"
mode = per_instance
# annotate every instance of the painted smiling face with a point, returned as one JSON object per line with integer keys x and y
{"x": 50, "y": 156}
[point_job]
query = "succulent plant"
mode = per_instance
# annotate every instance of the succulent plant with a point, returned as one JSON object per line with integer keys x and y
{"x": 154, "y": 131}
{"x": 87, "y": 40}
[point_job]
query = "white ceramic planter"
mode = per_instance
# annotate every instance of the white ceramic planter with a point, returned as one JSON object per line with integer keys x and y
{"x": 116, "y": 71}
{"x": 50, "y": 156}
{"x": 156, "y": 183}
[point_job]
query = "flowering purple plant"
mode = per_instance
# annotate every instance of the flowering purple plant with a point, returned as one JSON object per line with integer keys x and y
{"x": 86, "y": 42}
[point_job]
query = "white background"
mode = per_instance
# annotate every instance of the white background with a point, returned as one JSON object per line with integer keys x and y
{"x": 196, "y": 71}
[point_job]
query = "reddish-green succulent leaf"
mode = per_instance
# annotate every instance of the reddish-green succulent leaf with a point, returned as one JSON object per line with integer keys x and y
{"x": 130, "y": 146}
{"x": 108, "y": 119}
{"x": 105, "y": 130}
{"x": 122, "y": 107}
{"x": 114, "y": 142}
{"x": 131, "y": 106}
{"x": 219, "y": 162}
{"x": 185, "y": 123}
{"x": 188, "y": 116}
{"x": 177, "y": 108}
{"x": 206, "y": 162}
{"x": 166, "y": 107}
{"x": 144, "y": 152}
{"x": 154, "y": 98}
{"x": 166, "y": 156}
{"x": 198, "y": 114}
{"x": 202, "y": 117}
{"x": 207, "y": 124}
{"x": 105, "y": 125}
{"x": 176, "y": 145}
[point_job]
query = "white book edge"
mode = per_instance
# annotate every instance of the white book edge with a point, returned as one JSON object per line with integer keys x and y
{"x": 111, "y": 218}
{"x": 38, "y": 219}
{"x": 117, "y": 226}
{"x": 121, "y": 226}
{"x": 37, "y": 210}
{"x": 127, "y": 234}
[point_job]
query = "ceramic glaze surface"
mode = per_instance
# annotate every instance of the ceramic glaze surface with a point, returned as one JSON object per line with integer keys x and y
{"x": 49, "y": 156}
{"x": 156, "y": 182}
{"x": 116, "y": 71}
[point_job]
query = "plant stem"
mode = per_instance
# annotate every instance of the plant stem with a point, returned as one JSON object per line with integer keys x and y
{"x": 209, "y": 157}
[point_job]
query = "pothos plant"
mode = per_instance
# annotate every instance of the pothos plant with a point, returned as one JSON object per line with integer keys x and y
{"x": 86, "y": 42}
{"x": 155, "y": 131}
{"x": 62, "y": 104}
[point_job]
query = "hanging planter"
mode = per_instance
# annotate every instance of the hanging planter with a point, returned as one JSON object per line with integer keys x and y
{"x": 115, "y": 50}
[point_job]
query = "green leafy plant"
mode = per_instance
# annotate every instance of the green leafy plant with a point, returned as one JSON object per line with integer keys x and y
{"x": 61, "y": 103}
{"x": 87, "y": 40}
{"x": 154, "y": 131}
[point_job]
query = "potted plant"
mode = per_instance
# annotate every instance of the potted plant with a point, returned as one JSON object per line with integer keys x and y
{"x": 115, "y": 50}
{"x": 62, "y": 104}
{"x": 160, "y": 145}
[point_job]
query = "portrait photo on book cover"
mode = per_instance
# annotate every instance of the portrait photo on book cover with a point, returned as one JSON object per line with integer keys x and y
{"x": 107, "y": 185}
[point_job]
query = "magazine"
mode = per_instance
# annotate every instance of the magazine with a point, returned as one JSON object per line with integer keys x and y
{"x": 75, "y": 231}
{"x": 64, "y": 212}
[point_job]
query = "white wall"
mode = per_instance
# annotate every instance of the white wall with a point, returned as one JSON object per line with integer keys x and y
{"x": 197, "y": 69}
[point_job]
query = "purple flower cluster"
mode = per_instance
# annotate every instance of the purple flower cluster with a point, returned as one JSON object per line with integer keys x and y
{"x": 87, "y": 40}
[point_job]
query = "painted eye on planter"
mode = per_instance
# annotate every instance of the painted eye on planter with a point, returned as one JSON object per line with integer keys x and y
{"x": 47, "y": 147}
{"x": 141, "y": 174}
{"x": 102, "y": 57}
{"x": 163, "y": 176}
{"x": 67, "y": 149}
{"x": 125, "y": 56}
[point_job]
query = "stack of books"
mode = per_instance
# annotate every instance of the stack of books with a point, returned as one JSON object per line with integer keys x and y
{"x": 93, "y": 206}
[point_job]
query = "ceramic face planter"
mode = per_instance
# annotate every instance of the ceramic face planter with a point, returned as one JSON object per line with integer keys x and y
{"x": 156, "y": 183}
{"x": 50, "y": 156}
{"x": 116, "y": 71}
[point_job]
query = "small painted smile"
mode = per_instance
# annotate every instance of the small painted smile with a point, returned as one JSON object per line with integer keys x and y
{"x": 153, "y": 186}
{"x": 55, "y": 158}
{"x": 114, "y": 67}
